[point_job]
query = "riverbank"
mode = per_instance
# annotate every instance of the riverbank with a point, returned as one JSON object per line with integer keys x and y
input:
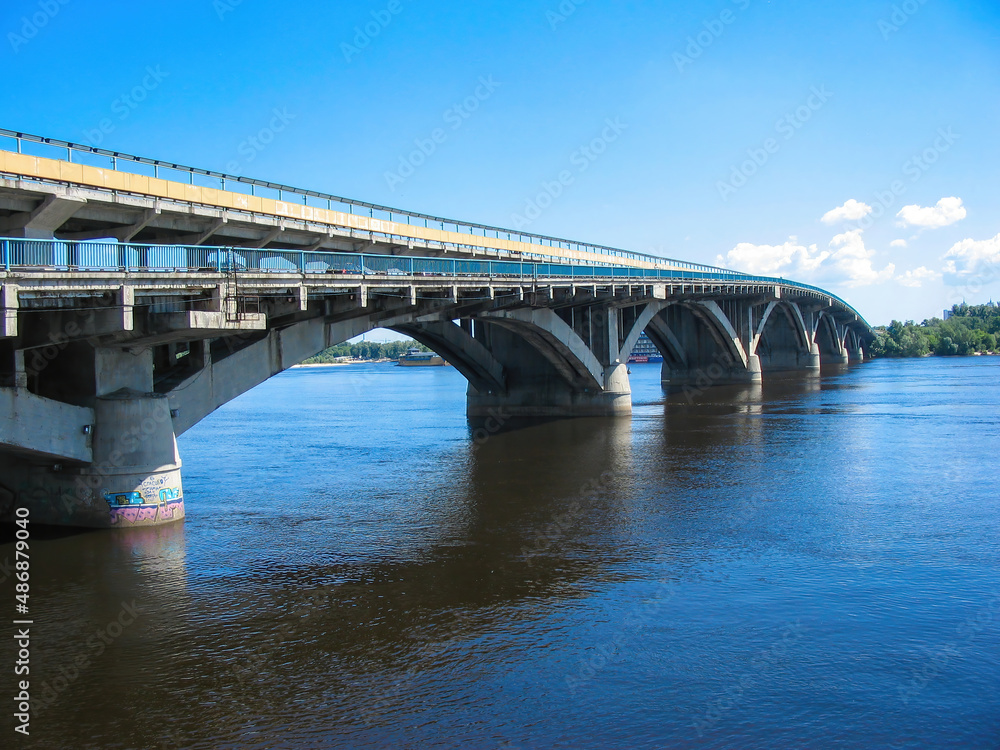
{"x": 344, "y": 362}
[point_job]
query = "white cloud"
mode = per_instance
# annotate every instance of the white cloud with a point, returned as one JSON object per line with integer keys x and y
{"x": 773, "y": 260}
{"x": 848, "y": 261}
{"x": 850, "y": 211}
{"x": 917, "y": 277}
{"x": 852, "y": 261}
{"x": 972, "y": 260}
{"x": 947, "y": 211}
{"x": 897, "y": 243}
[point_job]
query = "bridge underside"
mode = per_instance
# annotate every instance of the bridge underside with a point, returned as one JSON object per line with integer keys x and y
{"x": 100, "y": 372}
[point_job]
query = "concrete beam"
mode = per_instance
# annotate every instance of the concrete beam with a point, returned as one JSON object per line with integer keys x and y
{"x": 200, "y": 324}
{"x": 122, "y": 234}
{"x": 44, "y": 221}
{"x": 43, "y": 428}
{"x": 268, "y": 238}
{"x": 202, "y": 238}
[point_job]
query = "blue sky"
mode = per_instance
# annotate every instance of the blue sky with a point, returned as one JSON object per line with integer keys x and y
{"x": 852, "y": 145}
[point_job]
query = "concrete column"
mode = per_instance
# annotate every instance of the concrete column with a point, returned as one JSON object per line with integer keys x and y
{"x": 20, "y": 371}
{"x": 126, "y": 297}
{"x": 135, "y": 479}
{"x": 116, "y": 368}
{"x": 9, "y": 303}
{"x": 814, "y": 358}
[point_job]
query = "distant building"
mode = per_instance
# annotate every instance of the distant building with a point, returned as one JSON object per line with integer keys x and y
{"x": 947, "y": 314}
{"x": 645, "y": 351}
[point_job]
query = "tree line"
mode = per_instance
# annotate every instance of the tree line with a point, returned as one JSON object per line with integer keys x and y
{"x": 369, "y": 350}
{"x": 969, "y": 329}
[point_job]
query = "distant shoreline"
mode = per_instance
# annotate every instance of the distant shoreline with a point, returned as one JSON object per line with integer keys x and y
{"x": 345, "y": 364}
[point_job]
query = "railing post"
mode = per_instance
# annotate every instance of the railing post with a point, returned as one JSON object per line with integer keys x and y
{"x": 302, "y": 261}
{"x": 6, "y": 255}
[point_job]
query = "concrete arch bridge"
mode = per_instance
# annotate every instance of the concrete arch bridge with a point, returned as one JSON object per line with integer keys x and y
{"x": 110, "y": 349}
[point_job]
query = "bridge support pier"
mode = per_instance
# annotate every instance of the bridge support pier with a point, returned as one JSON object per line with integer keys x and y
{"x": 134, "y": 479}
{"x": 554, "y": 399}
{"x": 550, "y": 369}
{"x": 116, "y": 461}
{"x": 718, "y": 372}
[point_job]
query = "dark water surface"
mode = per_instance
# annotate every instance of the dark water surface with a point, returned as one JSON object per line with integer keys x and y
{"x": 811, "y": 564}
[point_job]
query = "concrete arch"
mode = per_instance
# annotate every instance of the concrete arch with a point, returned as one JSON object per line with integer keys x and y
{"x": 642, "y": 321}
{"x": 460, "y": 349}
{"x": 555, "y": 340}
{"x": 666, "y": 343}
{"x": 781, "y": 340}
{"x": 829, "y": 341}
{"x": 722, "y": 329}
{"x": 854, "y": 346}
{"x": 700, "y": 344}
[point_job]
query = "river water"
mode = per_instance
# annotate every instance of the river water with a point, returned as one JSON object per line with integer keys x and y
{"x": 814, "y": 563}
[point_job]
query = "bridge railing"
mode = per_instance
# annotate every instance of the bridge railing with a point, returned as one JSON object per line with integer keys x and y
{"x": 25, "y": 143}
{"x": 61, "y": 255}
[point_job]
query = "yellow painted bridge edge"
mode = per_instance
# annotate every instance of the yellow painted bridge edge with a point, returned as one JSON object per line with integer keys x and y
{"x": 37, "y": 167}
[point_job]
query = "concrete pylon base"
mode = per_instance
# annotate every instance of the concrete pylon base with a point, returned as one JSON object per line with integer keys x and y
{"x": 527, "y": 404}
{"x": 713, "y": 374}
{"x": 557, "y": 399}
{"x": 85, "y": 498}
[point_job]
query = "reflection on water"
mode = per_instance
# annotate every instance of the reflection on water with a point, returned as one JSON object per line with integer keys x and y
{"x": 756, "y": 566}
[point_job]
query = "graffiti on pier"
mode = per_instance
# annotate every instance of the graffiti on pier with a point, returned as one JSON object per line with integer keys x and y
{"x": 133, "y": 508}
{"x": 134, "y": 514}
{"x": 120, "y": 499}
{"x": 147, "y": 514}
{"x": 170, "y": 493}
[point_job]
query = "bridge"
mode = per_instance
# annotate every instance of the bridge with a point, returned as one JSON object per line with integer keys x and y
{"x": 138, "y": 296}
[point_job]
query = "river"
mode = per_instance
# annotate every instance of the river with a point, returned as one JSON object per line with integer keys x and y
{"x": 811, "y": 563}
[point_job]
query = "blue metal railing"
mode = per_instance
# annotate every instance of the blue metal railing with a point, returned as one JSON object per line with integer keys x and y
{"x": 17, "y": 142}
{"x": 63, "y": 255}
